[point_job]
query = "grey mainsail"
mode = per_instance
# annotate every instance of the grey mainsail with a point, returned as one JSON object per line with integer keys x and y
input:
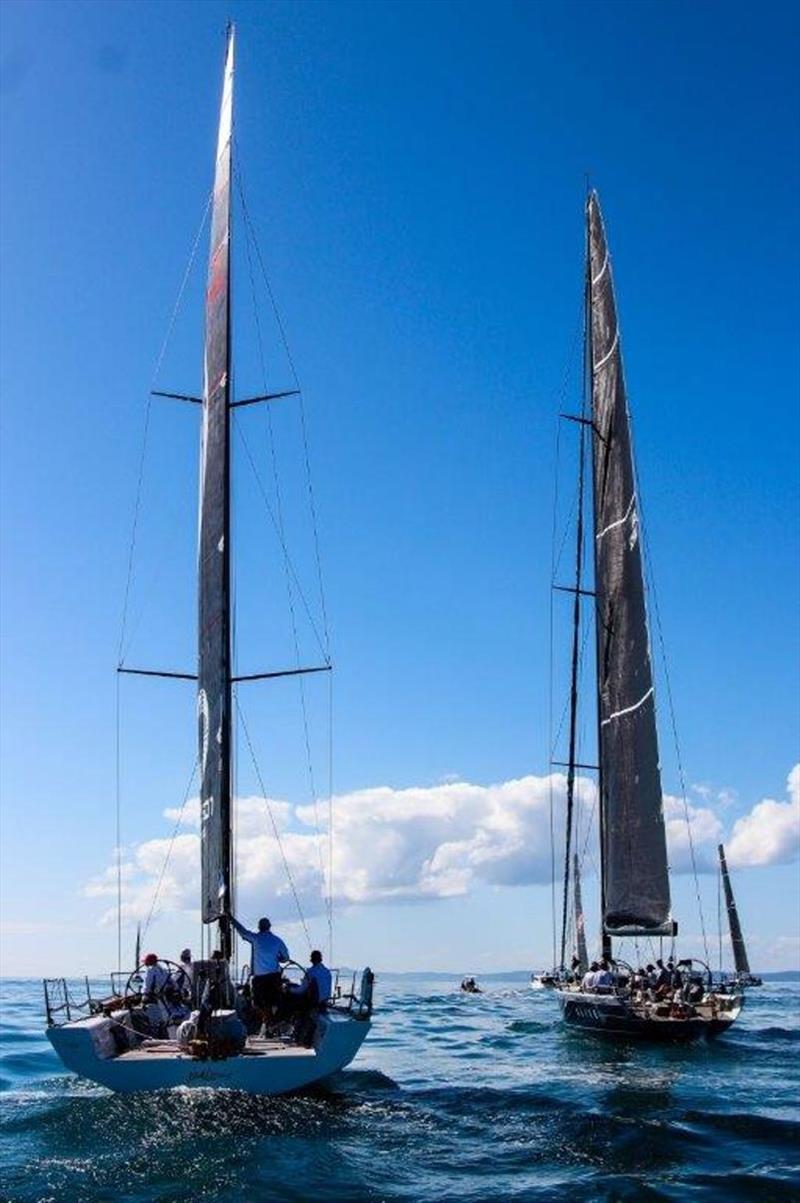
{"x": 737, "y": 939}
{"x": 635, "y": 886}
{"x": 580, "y": 927}
{"x": 214, "y": 638}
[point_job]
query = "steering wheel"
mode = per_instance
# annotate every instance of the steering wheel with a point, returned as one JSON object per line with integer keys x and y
{"x": 285, "y": 981}
{"x": 177, "y": 981}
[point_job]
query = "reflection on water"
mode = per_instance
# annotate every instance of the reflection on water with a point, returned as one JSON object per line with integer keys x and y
{"x": 454, "y": 1096}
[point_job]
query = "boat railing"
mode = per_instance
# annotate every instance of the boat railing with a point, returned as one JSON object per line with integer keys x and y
{"x": 61, "y": 1006}
{"x": 357, "y": 1001}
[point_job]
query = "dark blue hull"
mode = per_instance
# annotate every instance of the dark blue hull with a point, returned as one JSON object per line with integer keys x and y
{"x": 613, "y": 1015}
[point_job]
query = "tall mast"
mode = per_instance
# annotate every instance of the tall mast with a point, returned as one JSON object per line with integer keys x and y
{"x": 737, "y": 939}
{"x": 573, "y": 693}
{"x": 588, "y": 377}
{"x": 214, "y": 555}
{"x": 633, "y": 849}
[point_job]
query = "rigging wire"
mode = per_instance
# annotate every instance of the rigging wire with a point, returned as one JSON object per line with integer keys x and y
{"x": 719, "y": 917}
{"x": 296, "y": 380}
{"x": 288, "y": 579}
{"x": 145, "y": 434}
{"x": 168, "y": 855}
{"x": 673, "y": 723}
{"x": 137, "y": 508}
{"x": 555, "y": 560}
{"x": 274, "y": 824}
{"x": 118, "y": 827}
{"x": 550, "y": 698}
{"x": 287, "y": 558}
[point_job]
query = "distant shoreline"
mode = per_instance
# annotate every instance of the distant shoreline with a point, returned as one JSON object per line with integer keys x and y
{"x": 438, "y": 975}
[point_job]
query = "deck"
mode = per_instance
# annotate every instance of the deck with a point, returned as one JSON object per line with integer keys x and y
{"x": 155, "y": 1050}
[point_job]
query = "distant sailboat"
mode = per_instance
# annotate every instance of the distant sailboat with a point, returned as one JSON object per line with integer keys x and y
{"x": 126, "y": 1042}
{"x": 743, "y": 975}
{"x": 634, "y": 877}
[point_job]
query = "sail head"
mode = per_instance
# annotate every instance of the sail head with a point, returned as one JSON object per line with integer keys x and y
{"x": 214, "y": 636}
{"x": 636, "y": 895}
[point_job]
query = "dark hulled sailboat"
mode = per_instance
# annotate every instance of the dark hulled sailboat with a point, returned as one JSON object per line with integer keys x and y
{"x": 634, "y": 877}
{"x": 740, "y": 959}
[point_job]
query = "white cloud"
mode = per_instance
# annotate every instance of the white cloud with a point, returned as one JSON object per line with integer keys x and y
{"x": 417, "y": 843}
{"x": 706, "y": 833}
{"x": 770, "y": 833}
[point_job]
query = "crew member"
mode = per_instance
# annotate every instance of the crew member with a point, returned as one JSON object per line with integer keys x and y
{"x": 183, "y": 977}
{"x": 590, "y": 977}
{"x": 268, "y": 954}
{"x": 155, "y": 979}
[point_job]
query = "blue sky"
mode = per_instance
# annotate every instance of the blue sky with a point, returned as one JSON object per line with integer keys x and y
{"x": 416, "y": 177}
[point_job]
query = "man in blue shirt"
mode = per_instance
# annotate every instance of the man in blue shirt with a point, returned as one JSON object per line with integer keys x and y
{"x": 317, "y": 983}
{"x": 268, "y": 954}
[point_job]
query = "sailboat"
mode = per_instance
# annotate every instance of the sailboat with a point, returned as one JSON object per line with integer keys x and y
{"x": 740, "y": 960}
{"x": 634, "y": 876}
{"x": 125, "y": 1041}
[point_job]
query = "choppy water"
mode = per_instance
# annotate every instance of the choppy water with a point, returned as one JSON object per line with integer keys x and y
{"x": 469, "y": 1098}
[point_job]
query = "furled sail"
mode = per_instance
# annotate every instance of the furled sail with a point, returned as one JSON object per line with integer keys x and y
{"x": 636, "y": 895}
{"x": 737, "y": 939}
{"x": 214, "y": 650}
{"x": 580, "y": 928}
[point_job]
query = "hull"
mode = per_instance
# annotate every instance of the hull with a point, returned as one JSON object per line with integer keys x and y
{"x": 612, "y": 1015}
{"x": 265, "y": 1067}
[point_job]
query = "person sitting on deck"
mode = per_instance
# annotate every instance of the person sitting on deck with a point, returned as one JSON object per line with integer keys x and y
{"x": 307, "y": 998}
{"x": 269, "y": 953}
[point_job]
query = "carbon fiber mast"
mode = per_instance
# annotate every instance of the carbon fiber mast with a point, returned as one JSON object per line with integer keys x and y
{"x": 214, "y": 554}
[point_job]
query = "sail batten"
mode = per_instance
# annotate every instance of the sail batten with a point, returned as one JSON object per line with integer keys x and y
{"x": 214, "y": 619}
{"x": 737, "y": 939}
{"x": 636, "y": 895}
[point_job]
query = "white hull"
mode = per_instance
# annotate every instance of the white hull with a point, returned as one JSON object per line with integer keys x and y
{"x": 87, "y": 1047}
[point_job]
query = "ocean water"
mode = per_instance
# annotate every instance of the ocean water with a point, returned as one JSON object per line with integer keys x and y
{"x": 453, "y": 1097}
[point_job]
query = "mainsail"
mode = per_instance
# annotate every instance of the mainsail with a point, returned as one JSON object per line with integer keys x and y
{"x": 580, "y": 927}
{"x": 635, "y": 886}
{"x": 737, "y": 939}
{"x": 214, "y": 637}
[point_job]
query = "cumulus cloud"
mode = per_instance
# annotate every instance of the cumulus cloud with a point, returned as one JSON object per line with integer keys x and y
{"x": 688, "y": 827}
{"x": 770, "y": 833}
{"x": 417, "y": 843}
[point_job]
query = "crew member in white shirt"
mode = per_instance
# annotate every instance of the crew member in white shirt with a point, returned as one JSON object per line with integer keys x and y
{"x": 268, "y": 954}
{"x": 590, "y": 978}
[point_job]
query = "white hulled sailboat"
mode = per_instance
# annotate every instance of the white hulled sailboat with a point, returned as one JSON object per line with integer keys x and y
{"x": 123, "y": 1041}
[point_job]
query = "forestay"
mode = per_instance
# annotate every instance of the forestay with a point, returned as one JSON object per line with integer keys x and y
{"x": 635, "y": 881}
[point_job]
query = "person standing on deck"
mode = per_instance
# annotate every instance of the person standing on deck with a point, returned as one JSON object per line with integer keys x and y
{"x": 269, "y": 953}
